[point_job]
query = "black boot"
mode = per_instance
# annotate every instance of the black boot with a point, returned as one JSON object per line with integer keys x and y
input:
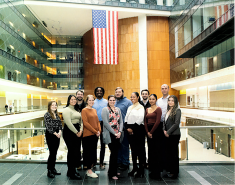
{"x": 50, "y": 174}
{"x": 132, "y": 173}
{"x": 55, "y": 172}
{"x": 75, "y": 176}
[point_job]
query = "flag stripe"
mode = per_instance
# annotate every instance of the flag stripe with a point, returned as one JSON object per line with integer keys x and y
{"x": 117, "y": 36}
{"x": 104, "y": 46}
{"x": 113, "y": 38}
{"x": 105, "y": 36}
{"x": 101, "y": 49}
{"x": 109, "y": 38}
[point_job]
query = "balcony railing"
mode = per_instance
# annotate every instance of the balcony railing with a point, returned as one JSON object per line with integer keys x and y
{"x": 164, "y": 5}
{"x": 18, "y": 110}
{"x": 220, "y": 106}
{"x": 197, "y": 144}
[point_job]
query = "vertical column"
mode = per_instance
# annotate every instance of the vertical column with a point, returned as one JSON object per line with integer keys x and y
{"x": 143, "y": 62}
{"x": 40, "y": 104}
{"x": 159, "y": 2}
{"x": 169, "y": 2}
{"x": 176, "y": 42}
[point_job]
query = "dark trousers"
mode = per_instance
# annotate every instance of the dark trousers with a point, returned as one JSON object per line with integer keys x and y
{"x": 155, "y": 149}
{"x": 89, "y": 150}
{"x": 102, "y": 150}
{"x": 74, "y": 148}
{"x": 137, "y": 143}
{"x": 123, "y": 152}
{"x": 53, "y": 143}
{"x": 172, "y": 163}
{"x": 113, "y": 146}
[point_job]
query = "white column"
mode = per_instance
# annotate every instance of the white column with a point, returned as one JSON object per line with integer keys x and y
{"x": 159, "y": 2}
{"x": 169, "y": 2}
{"x": 143, "y": 62}
{"x": 176, "y": 42}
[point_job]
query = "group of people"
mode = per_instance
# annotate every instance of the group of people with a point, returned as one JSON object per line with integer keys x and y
{"x": 120, "y": 123}
{"x": 10, "y": 108}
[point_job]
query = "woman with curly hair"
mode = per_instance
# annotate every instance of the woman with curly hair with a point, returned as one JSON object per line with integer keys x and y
{"x": 172, "y": 132}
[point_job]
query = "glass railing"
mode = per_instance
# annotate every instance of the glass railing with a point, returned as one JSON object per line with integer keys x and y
{"x": 17, "y": 110}
{"x": 197, "y": 144}
{"x": 165, "y": 5}
{"x": 220, "y": 106}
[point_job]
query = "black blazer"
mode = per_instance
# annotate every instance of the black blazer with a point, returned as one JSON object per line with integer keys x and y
{"x": 145, "y": 106}
{"x": 172, "y": 126}
{"x": 79, "y": 109}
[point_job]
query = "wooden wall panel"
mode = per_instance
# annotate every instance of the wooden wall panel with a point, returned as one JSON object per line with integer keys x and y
{"x": 158, "y": 55}
{"x": 23, "y": 145}
{"x": 232, "y": 148}
{"x": 126, "y": 73}
{"x": 183, "y": 144}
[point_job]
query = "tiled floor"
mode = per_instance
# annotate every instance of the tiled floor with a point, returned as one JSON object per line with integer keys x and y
{"x": 190, "y": 174}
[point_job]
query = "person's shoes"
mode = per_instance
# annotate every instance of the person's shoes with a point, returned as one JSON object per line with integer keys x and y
{"x": 132, "y": 173}
{"x": 55, "y": 172}
{"x": 92, "y": 175}
{"x": 84, "y": 167}
{"x": 172, "y": 176}
{"x": 114, "y": 178}
{"x": 79, "y": 168}
{"x": 50, "y": 174}
{"x": 93, "y": 167}
{"x": 123, "y": 167}
{"x": 102, "y": 167}
{"x": 76, "y": 176}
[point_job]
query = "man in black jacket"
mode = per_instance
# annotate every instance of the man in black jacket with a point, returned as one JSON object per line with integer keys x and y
{"x": 146, "y": 104}
{"x": 80, "y": 102}
{"x": 78, "y": 107}
{"x": 145, "y": 101}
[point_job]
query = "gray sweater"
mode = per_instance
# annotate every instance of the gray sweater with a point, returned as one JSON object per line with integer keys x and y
{"x": 107, "y": 129}
{"x": 172, "y": 126}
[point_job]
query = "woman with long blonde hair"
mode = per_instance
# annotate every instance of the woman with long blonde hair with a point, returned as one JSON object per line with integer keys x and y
{"x": 53, "y": 133}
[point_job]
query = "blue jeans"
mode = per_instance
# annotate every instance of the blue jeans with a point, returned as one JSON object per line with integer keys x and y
{"x": 123, "y": 153}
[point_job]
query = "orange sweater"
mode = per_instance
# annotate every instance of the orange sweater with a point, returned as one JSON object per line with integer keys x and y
{"x": 91, "y": 124}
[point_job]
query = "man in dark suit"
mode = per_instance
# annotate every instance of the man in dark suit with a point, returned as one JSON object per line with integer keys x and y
{"x": 145, "y": 101}
{"x": 146, "y": 104}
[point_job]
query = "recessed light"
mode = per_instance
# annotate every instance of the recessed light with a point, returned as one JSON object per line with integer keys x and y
{"x": 11, "y": 23}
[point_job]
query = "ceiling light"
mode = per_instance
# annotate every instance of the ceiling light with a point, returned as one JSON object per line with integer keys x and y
{"x": 24, "y": 15}
{"x": 197, "y": 65}
{"x": 11, "y": 23}
{"x": 12, "y": 47}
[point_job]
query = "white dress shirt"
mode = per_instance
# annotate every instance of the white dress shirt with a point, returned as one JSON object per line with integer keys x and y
{"x": 162, "y": 103}
{"x": 135, "y": 114}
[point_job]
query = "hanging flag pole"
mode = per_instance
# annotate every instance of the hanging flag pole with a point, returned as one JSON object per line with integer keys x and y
{"x": 105, "y": 36}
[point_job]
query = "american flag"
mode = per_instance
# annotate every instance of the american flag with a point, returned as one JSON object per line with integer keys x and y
{"x": 105, "y": 36}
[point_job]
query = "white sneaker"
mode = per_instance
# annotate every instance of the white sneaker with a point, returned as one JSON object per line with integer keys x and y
{"x": 92, "y": 175}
